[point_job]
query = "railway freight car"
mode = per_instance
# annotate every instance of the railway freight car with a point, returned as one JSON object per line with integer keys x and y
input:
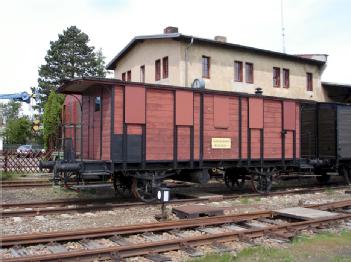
{"x": 140, "y": 134}
{"x": 326, "y": 139}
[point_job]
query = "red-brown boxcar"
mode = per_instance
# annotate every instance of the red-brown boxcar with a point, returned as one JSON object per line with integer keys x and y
{"x": 148, "y": 132}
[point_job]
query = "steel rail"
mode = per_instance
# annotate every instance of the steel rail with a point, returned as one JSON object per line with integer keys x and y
{"x": 46, "y": 237}
{"x": 35, "y": 211}
{"x": 176, "y": 244}
{"x": 25, "y": 239}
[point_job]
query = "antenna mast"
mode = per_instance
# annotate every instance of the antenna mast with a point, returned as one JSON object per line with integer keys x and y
{"x": 283, "y": 29}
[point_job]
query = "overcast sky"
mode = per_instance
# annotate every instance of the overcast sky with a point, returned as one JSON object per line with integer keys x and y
{"x": 312, "y": 26}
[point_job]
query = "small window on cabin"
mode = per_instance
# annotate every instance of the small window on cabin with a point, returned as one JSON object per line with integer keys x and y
{"x": 123, "y": 76}
{"x": 97, "y": 103}
{"x": 206, "y": 67}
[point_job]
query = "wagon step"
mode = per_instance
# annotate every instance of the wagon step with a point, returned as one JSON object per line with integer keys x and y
{"x": 95, "y": 173}
{"x": 306, "y": 166}
{"x": 108, "y": 185}
{"x": 332, "y": 173}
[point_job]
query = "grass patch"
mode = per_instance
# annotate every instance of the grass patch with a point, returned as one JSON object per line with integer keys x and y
{"x": 257, "y": 199}
{"x": 320, "y": 247}
{"x": 216, "y": 257}
{"x": 11, "y": 175}
{"x": 244, "y": 200}
{"x": 329, "y": 191}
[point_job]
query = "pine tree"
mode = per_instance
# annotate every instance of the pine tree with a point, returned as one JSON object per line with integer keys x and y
{"x": 68, "y": 57}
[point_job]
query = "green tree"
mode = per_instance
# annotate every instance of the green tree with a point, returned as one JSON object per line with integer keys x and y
{"x": 68, "y": 57}
{"x": 18, "y": 130}
{"x": 10, "y": 110}
{"x": 52, "y": 119}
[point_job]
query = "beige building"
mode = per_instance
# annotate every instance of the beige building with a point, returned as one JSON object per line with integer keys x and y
{"x": 176, "y": 59}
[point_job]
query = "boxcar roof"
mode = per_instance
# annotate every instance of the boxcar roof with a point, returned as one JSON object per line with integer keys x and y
{"x": 81, "y": 85}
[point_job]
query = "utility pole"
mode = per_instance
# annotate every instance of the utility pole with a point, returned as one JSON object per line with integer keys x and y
{"x": 282, "y": 21}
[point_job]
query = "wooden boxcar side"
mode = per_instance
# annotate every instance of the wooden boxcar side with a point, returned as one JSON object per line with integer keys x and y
{"x": 138, "y": 124}
{"x": 189, "y": 126}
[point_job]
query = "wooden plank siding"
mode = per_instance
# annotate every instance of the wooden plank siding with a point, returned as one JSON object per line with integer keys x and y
{"x": 160, "y": 116}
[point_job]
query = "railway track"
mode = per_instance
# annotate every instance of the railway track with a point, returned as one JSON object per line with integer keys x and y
{"x": 25, "y": 183}
{"x": 141, "y": 240}
{"x": 79, "y": 205}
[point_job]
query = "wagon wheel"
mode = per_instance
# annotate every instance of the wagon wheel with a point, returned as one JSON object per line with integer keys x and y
{"x": 67, "y": 175}
{"x": 142, "y": 189}
{"x": 322, "y": 176}
{"x": 234, "y": 180}
{"x": 261, "y": 181}
{"x": 347, "y": 175}
{"x": 122, "y": 184}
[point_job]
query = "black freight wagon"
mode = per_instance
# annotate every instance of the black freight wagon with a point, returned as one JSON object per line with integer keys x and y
{"x": 326, "y": 138}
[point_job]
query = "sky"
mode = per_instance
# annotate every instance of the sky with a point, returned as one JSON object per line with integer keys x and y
{"x": 311, "y": 26}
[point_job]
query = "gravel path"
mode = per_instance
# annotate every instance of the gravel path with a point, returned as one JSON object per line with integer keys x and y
{"x": 135, "y": 215}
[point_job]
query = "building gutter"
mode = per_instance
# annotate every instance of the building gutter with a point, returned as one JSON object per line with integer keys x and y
{"x": 187, "y": 60}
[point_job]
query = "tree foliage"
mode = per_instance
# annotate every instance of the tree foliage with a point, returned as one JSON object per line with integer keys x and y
{"x": 68, "y": 57}
{"x": 10, "y": 110}
{"x": 52, "y": 119}
{"x": 18, "y": 130}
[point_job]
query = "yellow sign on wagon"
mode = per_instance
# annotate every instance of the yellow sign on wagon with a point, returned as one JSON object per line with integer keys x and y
{"x": 221, "y": 143}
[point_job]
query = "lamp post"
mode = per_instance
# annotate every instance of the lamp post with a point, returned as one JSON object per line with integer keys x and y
{"x": 163, "y": 195}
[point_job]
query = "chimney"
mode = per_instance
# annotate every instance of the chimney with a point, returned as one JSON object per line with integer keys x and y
{"x": 170, "y": 30}
{"x": 220, "y": 38}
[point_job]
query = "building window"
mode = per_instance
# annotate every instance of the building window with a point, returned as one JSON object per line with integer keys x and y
{"x": 129, "y": 75}
{"x": 142, "y": 73}
{"x": 97, "y": 103}
{"x": 238, "y": 71}
{"x": 205, "y": 67}
{"x": 249, "y": 75}
{"x": 123, "y": 76}
{"x": 276, "y": 76}
{"x": 157, "y": 70}
{"x": 309, "y": 82}
{"x": 165, "y": 67}
{"x": 286, "y": 78}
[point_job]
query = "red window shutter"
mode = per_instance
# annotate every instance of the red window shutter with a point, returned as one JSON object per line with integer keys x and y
{"x": 142, "y": 74}
{"x": 157, "y": 70}
{"x": 309, "y": 82}
{"x": 165, "y": 67}
{"x": 249, "y": 78}
{"x": 134, "y": 105}
{"x": 256, "y": 112}
{"x": 221, "y": 111}
{"x": 276, "y": 76}
{"x": 289, "y": 115}
{"x": 286, "y": 78}
{"x": 238, "y": 71}
{"x": 184, "y": 108}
